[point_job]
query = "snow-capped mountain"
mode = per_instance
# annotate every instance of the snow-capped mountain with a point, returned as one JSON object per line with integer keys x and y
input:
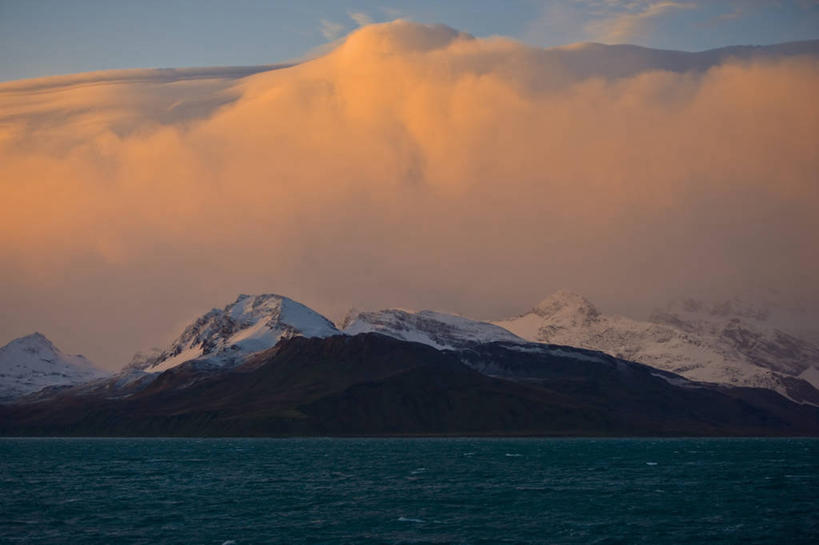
{"x": 744, "y": 328}
{"x": 223, "y": 337}
{"x": 31, "y": 363}
{"x": 436, "y": 329}
{"x": 728, "y": 342}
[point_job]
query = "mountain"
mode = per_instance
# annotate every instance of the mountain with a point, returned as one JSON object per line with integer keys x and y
{"x": 223, "y": 337}
{"x": 729, "y": 342}
{"x": 371, "y": 384}
{"x": 31, "y": 363}
{"x": 436, "y": 329}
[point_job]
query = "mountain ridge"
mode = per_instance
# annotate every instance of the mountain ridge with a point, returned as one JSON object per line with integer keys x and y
{"x": 374, "y": 385}
{"x": 721, "y": 342}
{"x": 437, "y": 329}
{"x": 724, "y": 343}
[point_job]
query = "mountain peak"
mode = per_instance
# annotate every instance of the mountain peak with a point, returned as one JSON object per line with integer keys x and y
{"x": 32, "y": 362}
{"x": 35, "y": 337}
{"x": 563, "y": 301}
{"x": 250, "y": 324}
{"x": 35, "y": 343}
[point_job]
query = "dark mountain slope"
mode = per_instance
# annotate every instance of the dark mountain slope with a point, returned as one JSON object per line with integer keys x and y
{"x": 375, "y": 385}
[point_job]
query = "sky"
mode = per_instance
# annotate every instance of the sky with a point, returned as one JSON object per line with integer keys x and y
{"x": 48, "y": 37}
{"x": 406, "y": 164}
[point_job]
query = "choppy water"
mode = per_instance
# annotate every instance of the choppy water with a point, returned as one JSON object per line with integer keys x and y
{"x": 293, "y": 491}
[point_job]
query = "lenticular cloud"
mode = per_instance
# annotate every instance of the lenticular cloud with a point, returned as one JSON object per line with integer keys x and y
{"x": 413, "y": 165}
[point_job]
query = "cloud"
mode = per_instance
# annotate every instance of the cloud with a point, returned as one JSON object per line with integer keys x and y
{"x": 624, "y": 21}
{"x": 414, "y": 166}
{"x": 331, "y": 30}
{"x": 361, "y": 18}
{"x": 737, "y": 12}
{"x": 610, "y": 21}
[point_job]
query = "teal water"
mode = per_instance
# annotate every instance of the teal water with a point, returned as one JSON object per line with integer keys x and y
{"x": 295, "y": 491}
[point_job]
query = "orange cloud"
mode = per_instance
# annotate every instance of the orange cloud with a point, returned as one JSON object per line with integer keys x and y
{"x": 412, "y": 166}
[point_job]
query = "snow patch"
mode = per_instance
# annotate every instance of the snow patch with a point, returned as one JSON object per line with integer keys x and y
{"x": 436, "y": 329}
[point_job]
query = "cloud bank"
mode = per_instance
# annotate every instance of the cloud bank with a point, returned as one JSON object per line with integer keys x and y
{"x": 412, "y": 166}
{"x": 628, "y": 21}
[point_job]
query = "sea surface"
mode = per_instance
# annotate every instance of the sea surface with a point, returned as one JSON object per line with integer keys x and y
{"x": 361, "y": 491}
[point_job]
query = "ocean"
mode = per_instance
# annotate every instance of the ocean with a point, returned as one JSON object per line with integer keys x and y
{"x": 409, "y": 491}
